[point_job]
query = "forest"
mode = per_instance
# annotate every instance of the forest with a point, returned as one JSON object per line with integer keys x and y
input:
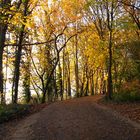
{"x": 57, "y": 49}
{"x": 69, "y": 69}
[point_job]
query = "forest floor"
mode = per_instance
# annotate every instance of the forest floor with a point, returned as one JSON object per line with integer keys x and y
{"x": 129, "y": 110}
{"x": 86, "y": 118}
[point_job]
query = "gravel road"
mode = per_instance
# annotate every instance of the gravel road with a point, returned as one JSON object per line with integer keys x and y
{"x": 77, "y": 119}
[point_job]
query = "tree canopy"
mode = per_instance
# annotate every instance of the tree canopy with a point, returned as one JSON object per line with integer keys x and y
{"x": 58, "y": 49}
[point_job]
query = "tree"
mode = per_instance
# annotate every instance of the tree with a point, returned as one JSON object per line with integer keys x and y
{"x": 19, "y": 51}
{"x": 4, "y": 8}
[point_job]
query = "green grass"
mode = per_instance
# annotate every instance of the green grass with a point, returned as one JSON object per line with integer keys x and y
{"x": 12, "y": 111}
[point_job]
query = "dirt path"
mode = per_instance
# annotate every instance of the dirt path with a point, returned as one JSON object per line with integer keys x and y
{"x": 78, "y": 119}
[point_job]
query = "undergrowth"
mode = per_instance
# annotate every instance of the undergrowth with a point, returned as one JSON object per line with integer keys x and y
{"x": 12, "y": 111}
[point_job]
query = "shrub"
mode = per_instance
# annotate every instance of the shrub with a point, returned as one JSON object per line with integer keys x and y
{"x": 11, "y": 111}
{"x": 130, "y": 92}
{"x": 127, "y": 96}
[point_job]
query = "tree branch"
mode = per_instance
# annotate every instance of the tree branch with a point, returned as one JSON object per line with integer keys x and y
{"x": 30, "y": 44}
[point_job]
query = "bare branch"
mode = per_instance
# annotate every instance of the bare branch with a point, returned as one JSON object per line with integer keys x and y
{"x": 30, "y": 44}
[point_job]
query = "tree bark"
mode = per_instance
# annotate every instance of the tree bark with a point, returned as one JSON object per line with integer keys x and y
{"x": 17, "y": 67}
{"x": 76, "y": 66}
{"x": 18, "y": 55}
{"x": 68, "y": 77}
{"x": 3, "y": 29}
{"x": 60, "y": 80}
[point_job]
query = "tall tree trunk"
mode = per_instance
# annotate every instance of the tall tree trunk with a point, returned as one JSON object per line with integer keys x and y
{"x": 76, "y": 66}
{"x": 64, "y": 74}
{"x": 115, "y": 77}
{"x": 87, "y": 82}
{"x": 17, "y": 66}
{"x": 18, "y": 54}
{"x": 82, "y": 86}
{"x": 68, "y": 77}
{"x": 82, "y": 82}
{"x": 6, "y": 72}
{"x": 60, "y": 80}
{"x": 87, "y": 88}
{"x": 55, "y": 86}
{"x": 110, "y": 87}
{"x": 92, "y": 85}
{"x": 101, "y": 81}
{"x": 27, "y": 77}
{"x": 96, "y": 82}
{"x": 3, "y": 29}
{"x": 110, "y": 18}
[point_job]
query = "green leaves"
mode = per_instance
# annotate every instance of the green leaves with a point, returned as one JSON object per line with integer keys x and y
{"x": 12, "y": 111}
{"x": 24, "y": 1}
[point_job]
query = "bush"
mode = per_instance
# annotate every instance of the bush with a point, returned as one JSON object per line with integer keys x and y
{"x": 130, "y": 92}
{"x": 8, "y": 112}
{"x": 126, "y": 96}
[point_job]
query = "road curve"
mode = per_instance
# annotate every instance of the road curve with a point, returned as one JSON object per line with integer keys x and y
{"x": 77, "y": 119}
